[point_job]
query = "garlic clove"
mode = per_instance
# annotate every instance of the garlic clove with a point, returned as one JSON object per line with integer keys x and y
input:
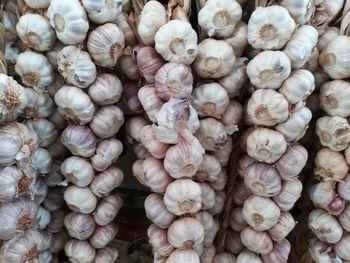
{"x": 150, "y": 101}
{"x": 212, "y": 134}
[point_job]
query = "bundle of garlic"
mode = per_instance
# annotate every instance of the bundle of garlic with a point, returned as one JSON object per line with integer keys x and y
{"x": 281, "y": 79}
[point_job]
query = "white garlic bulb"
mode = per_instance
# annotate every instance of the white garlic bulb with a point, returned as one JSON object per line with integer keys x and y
{"x": 183, "y": 196}
{"x": 333, "y": 98}
{"x": 148, "y": 62}
{"x": 150, "y": 101}
{"x": 280, "y": 252}
{"x": 333, "y": 132}
{"x": 215, "y": 59}
{"x": 107, "y": 89}
{"x": 325, "y": 226}
{"x": 290, "y": 193}
{"x": 75, "y": 104}
{"x": 134, "y": 126}
{"x": 42, "y": 159}
{"x": 270, "y": 27}
{"x": 105, "y": 182}
{"x": 102, "y": 11}
{"x": 107, "y": 152}
{"x": 40, "y": 4}
{"x": 80, "y": 200}
{"x": 269, "y": 69}
{"x": 258, "y": 242}
{"x": 79, "y": 251}
{"x": 209, "y": 169}
{"x": 153, "y": 16}
{"x": 212, "y": 134}
{"x": 35, "y": 70}
{"x": 283, "y": 227}
{"x": 300, "y": 10}
{"x": 210, "y": 100}
{"x": 208, "y": 196}
{"x": 333, "y": 58}
{"x": 224, "y": 257}
{"x": 262, "y": 180}
{"x": 105, "y": 45}
{"x": 158, "y": 240}
{"x": 76, "y": 67}
{"x": 128, "y": 63}
{"x": 103, "y": 235}
{"x": 157, "y": 212}
{"x": 233, "y": 242}
{"x": 236, "y": 221}
{"x": 69, "y": 21}
{"x": 107, "y": 209}
{"x": 45, "y": 130}
{"x": 267, "y": 107}
{"x": 266, "y": 145}
{"x": 211, "y": 227}
{"x": 208, "y": 254}
{"x": 36, "y": 32}
{"x": 176, "y": 41}
{"x": 330, "y": 165}
{"x": 149, "y": 138}
{"x": 52, "y": 55}
{"x": 219, "y": 18}
{"x": 185, "y": 233}
{"x": 341, "y": 248}
{"x": 247, "y": 256}
{"x": 183, "y": 255}
{"x": 79, "y": 226}
{"x": 344, "y": 187}
{"x": 107, "y": 254}
{"x": 220, "y": 197}
{"x": 78, "y": 171}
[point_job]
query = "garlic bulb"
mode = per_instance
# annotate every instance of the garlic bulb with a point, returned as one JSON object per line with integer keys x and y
{"x": 102, "y": 11}
{"x": 209, "y": 169}
{"x": 79, "y": 251}
{"x": 79, "y": 140}
{"x": 17, "y": 216}
{"x": 74, "y": 104}
{"x": 76, "y": 67}
{"x": 69, "y": 21}
{"x": 41, "y": 107}
{"x": 330, "y": 165}
{"x": 298, "y": 86}
{"x": 149, "y": 62}
{"x": 176, "y": 41}
{"x": 105, "y": 182}
{"x": 130, "y": 98}
{"x": 290, "y": 193}
{"x": 208, "y": 255}
{"x": 270, "y": 27}
{"x": 299, "y": 48}
{"x": 185, "y": 233}
{"x": 344, "y": 218}
{"x": 42, "y": 159}
{"x": 212, "y": 135}
{"x": 107, "y": 254}
{"x": 232, "y": 116}
{"x": 280, "y": 252}
{"x": 105, "y": 45}
{"x": 157, "y": 212}
{"x": 153, "y": 16}
{"x": 35, "y": 70}
{"x": 262, "y": 180}
{"x": 301, "y": 10}
{"x": 151, "y": 173}
{"x": 78, "y": 171}
{"x": 236, "y": 221}
{"x": 218, "y": 207}
{"x": 57, "y": 222}
{"x": 103, "y": 235}
{"x": 333, "y": 98}
{"x": 258, "y": 242}
{"x": 184, "y": 158}
{"x": 233, "y": 242}
{"x": 183, "y": 196}
{"x": 107, "y": 121}
{"x": 80, "y": 200}
{"x": 208, "y": 196}
{"x": 134, "y": 126}
{"x": 174, "y": 80}
{"x": 45, "y": 130}
{"x": 148, "y": 138}
{"x": 215, "y": 59}
{"x": 267, "y": 107}
{"x": 341, "y": 248}
{"x": 210, "y": 100}
{"x": 37, "y": 3}
{"x": 295, "y": 126}
{"x": 158, "y": 240}
{"x": 333, "y": 132}
{"x": 52, "y": 55}
{"x": 106, "y": 90}
{"x": 238, "y": 39}
{"x": 283, "y": 227}
{"x": 107, "y": 152}
{"x": 128, "y": 63}
{"x": 343, "y": 188}
{"x": 223, "y": 152}
{"x": 247, "y": 256}
{"x": 224, "y": 257}
{"x": 150, "y": 101}
{"x": 79, "y": 226}
{"x": 269, "y": 69}
{"x": 53, "y": 199}
{"x": 218, "y": 18}
{"x": 333, "y": 58}
{"x": 183, "y": 255}
{"x": 325, "y": 226}
{"x": 266, "y": 145}
{"x": 292, "y": 162}
{"x": 107, "y": 209}
{"x": 211, "y": 227}
{"x": 36, "y": 32}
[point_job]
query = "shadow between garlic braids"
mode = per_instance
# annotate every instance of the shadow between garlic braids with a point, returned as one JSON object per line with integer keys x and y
{"x": 72, "y": 104}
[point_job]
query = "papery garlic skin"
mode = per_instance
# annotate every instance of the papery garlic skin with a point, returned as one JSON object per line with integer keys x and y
{"x": 107, "y": 152}
{"x": 269, "y": 69}
{"x": 36, "y": 32}
{"x": 183, "y": 255}
{"x": 79, "y": 226}
{"x": 283, "y": 227}
{"x": 103, "y": 235}
{"x": 75, "y": 104}
{"x": 183, "y": 196}
{"x": 76, "y": 67}
{"x": 215, "y": 59}
{"x": 69, "y": 21}
{"x": 270, "y": 27}
{"x": 102, "y": 11}
{"x": 290, "y": 193}
{"x": 34, "y": 69}
{"x": 107, "y": 209}
{"x": 333, "y": 98}
{"x": 105, "y": 182}
{"x": 258, "y": 242}
{"x": 219, "y": 18}
{"x": 107, "y": 121}
{"x": 158, "y": 240}
{"x": 79, "y": 251}
{"x": 106, "y": 89}
{"x": 153, "y": 16}
{"x": 80, "y": 200}
{"x": 185, "y": 233}
{"x": 78, "y": 171}
{"x": 176, "y": 41}
{"x": 105, "y": 45}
